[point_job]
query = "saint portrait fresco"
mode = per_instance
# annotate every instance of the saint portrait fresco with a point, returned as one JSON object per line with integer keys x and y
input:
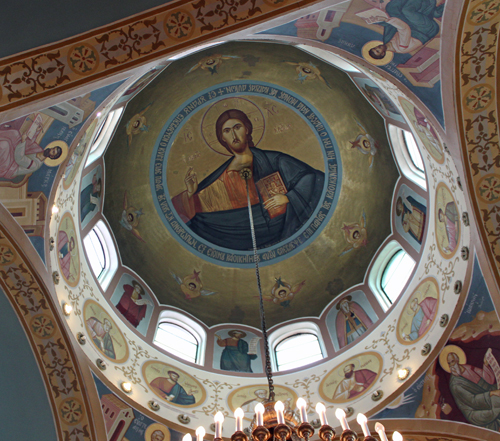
{"x": 67, "y": 250}
{"x": 173, "y": 385}
{"x": 104, "y": 333}
{"x": 447, "y": 221}
{"x": 248, "y": 397}
{"x": 284, "y": 191}
{"x": 350, "y": 318}
{"x": 91, "y": 195}
{"x": 419, "y": 312}
{"x": 78, "y": 154}
{"x": 133, "y": 302}
{"x": 236, "y": 350}
{"x": 352, "y": 378}
{"x": 424, "y": 130}
{"x": 411, "y": 216}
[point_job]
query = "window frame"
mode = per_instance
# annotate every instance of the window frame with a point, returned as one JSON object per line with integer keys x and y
{"x": 188, "y": 324}
{"x": 378, "y": 269}
{"x": 110, "y": 253}
{"x": 103, "y": 134}
{"x": 285, "y": 332}
{"x": 184, "y": 328}
{"x": 403, "y": 156}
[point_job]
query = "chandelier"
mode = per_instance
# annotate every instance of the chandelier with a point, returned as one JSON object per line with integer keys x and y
{"x": 271, "y": 421}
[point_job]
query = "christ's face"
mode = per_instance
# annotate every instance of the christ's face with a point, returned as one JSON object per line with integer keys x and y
{"x": 174, "y": 377}
{"x": 344, "y": 306}
{"x": 137, "y": 290}
{"x": 234, "y": 134}
{"x": 107, "y": 326}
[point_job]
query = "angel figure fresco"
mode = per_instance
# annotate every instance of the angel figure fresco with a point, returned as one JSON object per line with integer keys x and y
{"x": 137, "y": 124}
{"x": 307, "y": 72}
{"x": 282, "y": 293}
{"x": 130, "y": 218}
{"x": 211, "y": 63}
{"x": 192, "y": 286}
{"x": 365, "y": 144}
{"x": 355, "y": 234}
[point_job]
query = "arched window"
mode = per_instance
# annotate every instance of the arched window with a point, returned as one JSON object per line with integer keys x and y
{"x": 181, "y": 336}
{"x": 389, "y": 273}
{"x": 95, "y": 252}
{"x": 297, "y": 350}
{"x": 104, "y": 134}
{"x": 396, "y": 274}
{"x": 177, "y": 340}
{"x": 101, "y": 253}
{"x": 407, "y": 155}
{"x": 412, "y": 148}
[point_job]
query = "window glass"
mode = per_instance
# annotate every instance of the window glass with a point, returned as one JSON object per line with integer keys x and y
{"x": 396, "y": 274}
{"x": 411, "y": 145}
{"x": 177, "y": 340}
{"x": 95, "y": 252}
{"x": 297, "y": 350}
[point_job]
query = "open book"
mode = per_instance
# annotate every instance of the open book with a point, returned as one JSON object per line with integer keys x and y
{"x": 269, "y": 187}
{"x": 371, "y": 16}
{"x": 492, "y": 361}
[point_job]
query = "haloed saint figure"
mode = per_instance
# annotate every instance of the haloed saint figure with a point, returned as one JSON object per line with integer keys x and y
{"x": 284, "y": 191}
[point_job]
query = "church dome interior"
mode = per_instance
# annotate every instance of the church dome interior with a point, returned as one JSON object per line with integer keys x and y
{"x": 330, "y": 131}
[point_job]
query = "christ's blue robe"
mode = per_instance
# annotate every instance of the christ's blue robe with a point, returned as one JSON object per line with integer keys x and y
{"x": 231, "y": 228}
{"x": 180, "y": 396}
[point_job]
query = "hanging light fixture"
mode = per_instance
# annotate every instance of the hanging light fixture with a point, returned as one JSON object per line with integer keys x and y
{"x": 271, "y": 421}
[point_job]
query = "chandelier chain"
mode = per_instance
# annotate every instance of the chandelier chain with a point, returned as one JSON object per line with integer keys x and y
{"x": 269, "y": 372}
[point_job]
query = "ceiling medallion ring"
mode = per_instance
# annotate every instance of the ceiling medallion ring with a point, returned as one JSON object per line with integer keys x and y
{"x": 244, "y": 100}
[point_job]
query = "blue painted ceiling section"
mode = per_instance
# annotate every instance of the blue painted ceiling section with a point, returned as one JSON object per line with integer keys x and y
{"x": 27, "y": 24}
{"x": 25, "y": 412}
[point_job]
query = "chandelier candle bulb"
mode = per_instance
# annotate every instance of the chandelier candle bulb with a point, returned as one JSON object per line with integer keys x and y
{"x": 363, "y": 422}
{"x": 340, "y": 414}
{"x": 321, "y": 411}
{"x": 380, "y": 429}
{"x": 187, "y": 437}
{"x": 259, "y": 412}
{"x": 200, "y": 433}
{"x": 302, "y": 405}
{"x": 238, "y": 415}
{"x": 396, "y": 436}
{"x": 219, "y": 419}
{"x": 279, "y": 407}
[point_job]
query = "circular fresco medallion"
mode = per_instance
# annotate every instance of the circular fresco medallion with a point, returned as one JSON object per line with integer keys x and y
{"x": 247, "y": 397}
{"x": 424, "y": 130}
{"x": 173, "y": 385}
{"x": 202, "y": 198}
{"x": 68, "y": 255}
{"x": 351, "y": 379}
{"x": 104, "y": 333}
{"x": 447, "y": 222}
{"x": 419, "y": 312}
{"x": 157, "y": 431}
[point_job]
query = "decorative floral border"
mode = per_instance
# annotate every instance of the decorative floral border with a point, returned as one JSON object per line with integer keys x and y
{"x": 97, "y": 54}
{"x": 477, "y": 94}
{"x": 49, "y": 341}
